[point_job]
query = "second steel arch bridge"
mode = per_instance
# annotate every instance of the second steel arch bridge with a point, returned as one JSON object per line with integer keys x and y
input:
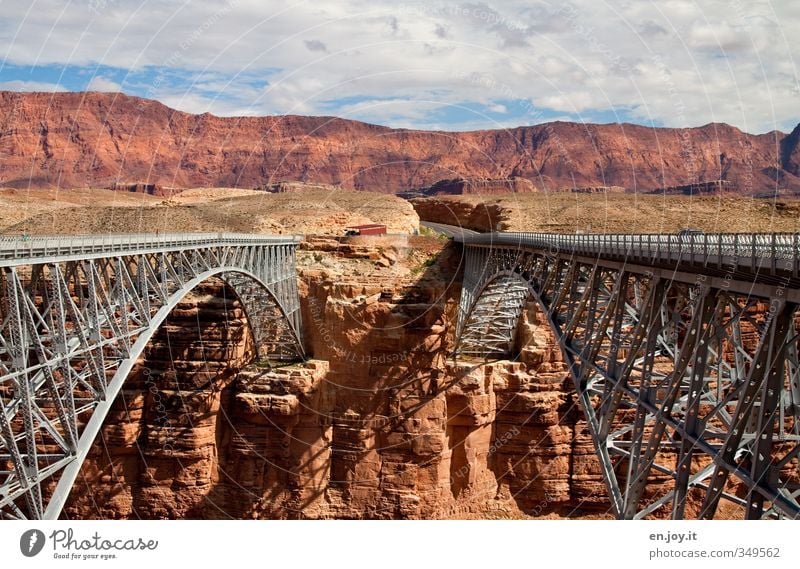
{"x": 683, "y": 351}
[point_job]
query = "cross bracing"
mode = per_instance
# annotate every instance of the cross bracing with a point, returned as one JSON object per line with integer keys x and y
{"x": 683, "y": 352}
{"x": 75, "y": 316}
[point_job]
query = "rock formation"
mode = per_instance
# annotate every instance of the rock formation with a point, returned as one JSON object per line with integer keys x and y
{"x": 700, "y": 188}
{"x": 466, "y": 186}
{"x": 138, "y": 187}
{"x": 790, "y": 153}
{"x": 284, "y": 187}
{"x": 484, "y": 216}
{"x": 98, "y": 139}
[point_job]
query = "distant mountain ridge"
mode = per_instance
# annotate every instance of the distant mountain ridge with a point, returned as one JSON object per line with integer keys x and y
{"x": 99, "y": 139}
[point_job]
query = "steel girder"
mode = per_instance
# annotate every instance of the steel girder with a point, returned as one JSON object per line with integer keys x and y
{"x": 690, "y": 391}
{"x": 71, "y": 330}
{"x": 751, "y": 253}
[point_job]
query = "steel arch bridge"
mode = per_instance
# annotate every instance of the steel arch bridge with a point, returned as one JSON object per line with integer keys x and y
{"x": 683, "y": 351}
{"x": 75, "y": 315}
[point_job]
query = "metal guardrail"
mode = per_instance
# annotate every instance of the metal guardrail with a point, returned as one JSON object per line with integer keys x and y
{"x": 771, "y": 252}
{"x": 22, "y": 248}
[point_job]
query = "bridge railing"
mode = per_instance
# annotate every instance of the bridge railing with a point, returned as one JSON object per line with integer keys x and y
{"x": 776, "y": 252}
{"x": 15, "y": 247}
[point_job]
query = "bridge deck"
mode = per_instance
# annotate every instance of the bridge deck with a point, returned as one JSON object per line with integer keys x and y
{"x": 757, "y": 253}
{"x": 20, "y": 250}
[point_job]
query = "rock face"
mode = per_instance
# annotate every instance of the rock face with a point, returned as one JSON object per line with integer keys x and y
{"x": 483, "y": 217}
{"x": 790, "y": 153}
{"x": 284, "y": 187}
{"x": 137, "y": 187}
{"x": 96, "y": 140}
{"x": 466, "y": 186}
{"x": 699, "y": 189}
{"x": 159, "y": 451}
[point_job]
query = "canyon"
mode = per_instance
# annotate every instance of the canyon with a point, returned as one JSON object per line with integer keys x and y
{"x": 101, "y": 140}
{"x": 380, "y": 423}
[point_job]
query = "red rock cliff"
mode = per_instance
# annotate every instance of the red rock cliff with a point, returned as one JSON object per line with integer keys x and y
{"x": 95, "y": 139}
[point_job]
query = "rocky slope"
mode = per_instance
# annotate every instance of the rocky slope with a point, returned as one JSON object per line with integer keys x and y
{"x": 94, "y": 140}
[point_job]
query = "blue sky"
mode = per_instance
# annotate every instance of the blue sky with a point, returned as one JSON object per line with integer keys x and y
{"x": 442, "y": 65}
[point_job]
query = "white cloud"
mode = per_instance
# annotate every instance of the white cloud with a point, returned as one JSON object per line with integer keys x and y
{"x": 17, "y": 85}
{"x": 674, "y": 61}
{"x": 568, "y": 102}
{"x": 717, "y": 37}
{"x": 404, "y": 113}
{"x": 100, "y": 83}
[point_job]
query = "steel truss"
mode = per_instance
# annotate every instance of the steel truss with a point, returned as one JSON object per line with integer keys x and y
{"x": 76, "y": 317}
{"x": 691, "y": 391}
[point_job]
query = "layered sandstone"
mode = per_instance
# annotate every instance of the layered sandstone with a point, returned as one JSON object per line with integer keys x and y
{"x": 158, "y": 453}
{"x": 98, "y": 139}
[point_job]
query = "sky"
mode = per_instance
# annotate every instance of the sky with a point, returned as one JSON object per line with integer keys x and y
{"x": 430, "y": 65}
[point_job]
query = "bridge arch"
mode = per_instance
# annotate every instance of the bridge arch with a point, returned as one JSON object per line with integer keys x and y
{"x": 75, "y": 315}
{"x": 688, "y": 376}
{"x": 488, "y": 327}
{"x": 242, "y": 282}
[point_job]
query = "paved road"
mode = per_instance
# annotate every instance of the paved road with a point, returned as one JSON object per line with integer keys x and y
{"x": 759, "y": 255}
{"x": 457, "y": 233}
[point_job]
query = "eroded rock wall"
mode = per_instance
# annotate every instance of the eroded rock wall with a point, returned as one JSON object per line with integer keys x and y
{"x": 158, "y": 453}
